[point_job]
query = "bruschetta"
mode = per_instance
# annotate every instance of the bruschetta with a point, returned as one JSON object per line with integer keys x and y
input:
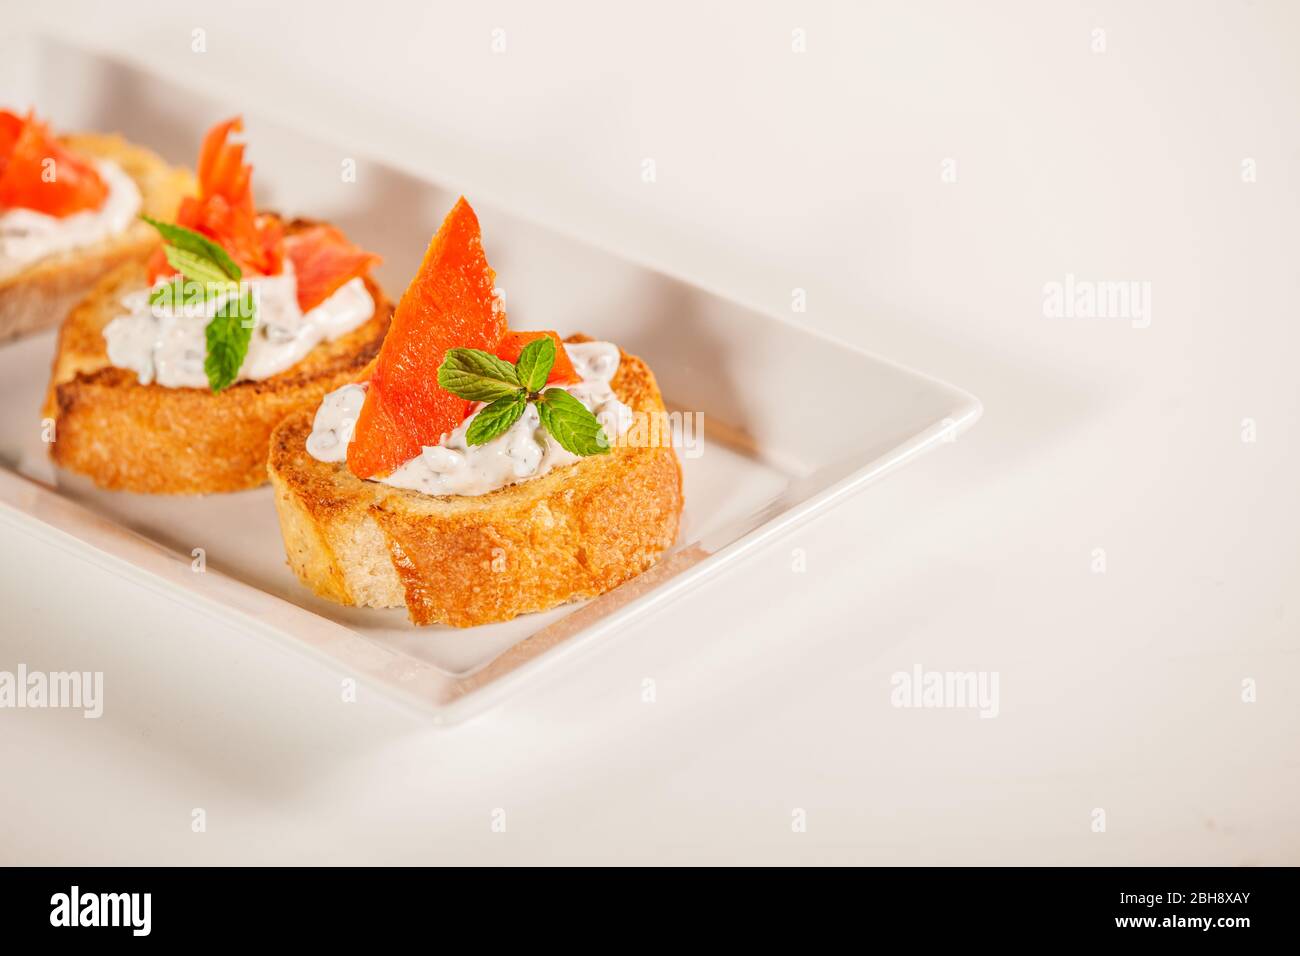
{"x": 170, "y": 376}
{"x": 70, "y": 213}
{"x": 475, "y": 473}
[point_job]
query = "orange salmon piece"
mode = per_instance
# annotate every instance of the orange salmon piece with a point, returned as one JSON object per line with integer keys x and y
{"x": 222, "y": 170}
{"x": 11, "y": 126}
{"x": 224, "y": 211}
{"x": 323, "y": 260}
{"x": 450, "y": 303}
{"x": 28, "y": 180}
{"x": 562, "y": 372}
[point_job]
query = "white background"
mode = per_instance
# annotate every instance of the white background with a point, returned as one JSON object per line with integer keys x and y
{"x": 822, "y": 170}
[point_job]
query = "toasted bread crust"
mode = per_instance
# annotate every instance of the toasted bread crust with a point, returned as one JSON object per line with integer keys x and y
{"x": 574, "y": 533}
{"x": 40, "y": 295}
{"x": 148, "y": 438}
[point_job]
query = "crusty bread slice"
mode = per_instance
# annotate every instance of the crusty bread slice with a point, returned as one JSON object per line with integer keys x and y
{"x": 150, "y": 438}
{"x": 40, "y": 295}
{"x": 574, "y": 533}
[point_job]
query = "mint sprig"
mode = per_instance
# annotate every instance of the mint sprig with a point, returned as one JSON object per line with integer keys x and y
{"x": 196, "y": 250}
{"x": 227, "y": 337}
{"x": 535, "y": 363}
{"x": 496, "y": 419}
{"x": 208, "y": 271}
{"x": 570, "y": 423}
{"x": 478, "y": 376}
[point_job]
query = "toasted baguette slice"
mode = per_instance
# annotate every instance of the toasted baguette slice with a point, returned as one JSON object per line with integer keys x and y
{"x": 573, "y": 533}
{"x": 158, "y": 440}
{"x": 40, "y": 295}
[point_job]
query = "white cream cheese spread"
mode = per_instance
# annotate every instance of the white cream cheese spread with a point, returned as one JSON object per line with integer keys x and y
{"x": 454, "y": 467}
{"x": 27, "y": 235}
{"x": 165, "y": 344}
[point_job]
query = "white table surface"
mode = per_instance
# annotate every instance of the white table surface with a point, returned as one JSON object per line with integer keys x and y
{"x": 822, "y": 171}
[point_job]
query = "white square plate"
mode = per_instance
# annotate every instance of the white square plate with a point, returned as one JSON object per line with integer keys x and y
{"x": 766, "y": 463}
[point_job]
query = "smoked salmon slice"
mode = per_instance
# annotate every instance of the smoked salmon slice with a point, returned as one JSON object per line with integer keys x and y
{"x": 562, "y": 372}
{"x": 323, "y": 259}
{"x": 222, "y": 170}
{"x": 38, "y": 173}
{"x": 11, "y": 125}
{"x": 224, "y": 211}
{"x": 449, "y": 303}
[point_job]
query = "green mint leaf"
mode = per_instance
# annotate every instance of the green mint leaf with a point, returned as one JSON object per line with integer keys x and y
{"x": 495, "y": 419}
{"x": 228, "y": 335}
{"x": 200, "y": 260}
{"x": 195, "y": 267}
{"x": 535, "y": 363}
{"x": 477, "y": 376}
{"x": 571, "y": 424}
{"x": 197, "y": 248}
{"x": 178, "y": 292}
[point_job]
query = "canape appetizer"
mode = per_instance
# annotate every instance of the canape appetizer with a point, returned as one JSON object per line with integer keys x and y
{"x": 170, "y": 376}
{"x": 474, "y": 473}
{"x": 69, "y": 213}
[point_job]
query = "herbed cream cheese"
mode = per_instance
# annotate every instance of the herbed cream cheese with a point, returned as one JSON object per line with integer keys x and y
{"x": 27, "y": 235}
{"x": 454, "y": 467}
{"x": 165, "y": 344}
